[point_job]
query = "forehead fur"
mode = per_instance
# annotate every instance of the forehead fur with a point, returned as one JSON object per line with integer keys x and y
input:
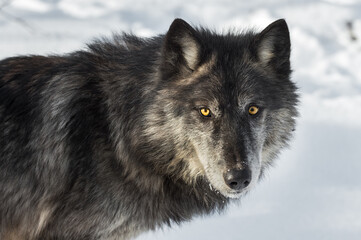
{"x": 230, "y": 44}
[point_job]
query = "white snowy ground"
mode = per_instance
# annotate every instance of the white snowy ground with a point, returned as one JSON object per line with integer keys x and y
{"x": 314, "y": 192}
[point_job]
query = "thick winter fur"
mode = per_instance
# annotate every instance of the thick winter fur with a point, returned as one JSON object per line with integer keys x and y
{"x": 109, "y": 142}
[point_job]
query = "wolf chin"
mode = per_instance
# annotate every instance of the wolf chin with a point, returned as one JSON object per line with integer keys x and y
{"x": 136, "y": 133}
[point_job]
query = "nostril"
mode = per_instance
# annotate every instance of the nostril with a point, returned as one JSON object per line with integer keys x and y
{"x": 246, "y": 183}
{"x": 233, "y": 184}
{"x": 237, "y": 179}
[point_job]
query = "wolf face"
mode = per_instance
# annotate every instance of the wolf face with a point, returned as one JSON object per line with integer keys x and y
{"x": 225, "y": 103}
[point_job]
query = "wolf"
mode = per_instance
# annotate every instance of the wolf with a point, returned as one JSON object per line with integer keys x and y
{"x": 132, "y": 134}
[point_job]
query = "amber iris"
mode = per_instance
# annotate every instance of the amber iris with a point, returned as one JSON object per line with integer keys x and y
{"x": 253, "y": 110}
{"x": 205, "y": 112}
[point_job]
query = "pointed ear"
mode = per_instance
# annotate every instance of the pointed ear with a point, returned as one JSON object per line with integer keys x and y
{"x": 273, "y": 47}
{"x": 181, "y": 48}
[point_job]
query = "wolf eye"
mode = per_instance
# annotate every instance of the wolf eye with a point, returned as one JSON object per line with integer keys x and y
{"x": 253, "y": 110}
{"x": 205, "y": 112}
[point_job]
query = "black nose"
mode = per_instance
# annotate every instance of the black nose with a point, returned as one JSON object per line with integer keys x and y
{"x": 237, "y": 179}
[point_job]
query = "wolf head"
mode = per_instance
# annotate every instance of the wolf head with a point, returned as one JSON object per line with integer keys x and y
{"x": 224, "y": 106}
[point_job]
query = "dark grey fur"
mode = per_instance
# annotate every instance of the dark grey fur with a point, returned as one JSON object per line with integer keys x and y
{"x": 108, "y": 143}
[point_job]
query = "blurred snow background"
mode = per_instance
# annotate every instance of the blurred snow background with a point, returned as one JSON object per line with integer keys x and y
{"x": 314, "y": 191}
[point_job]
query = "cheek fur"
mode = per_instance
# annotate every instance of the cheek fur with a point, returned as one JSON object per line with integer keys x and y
{"x": 279, "y": 130}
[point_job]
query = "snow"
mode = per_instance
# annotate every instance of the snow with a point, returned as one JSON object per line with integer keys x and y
{"x": 32, "y": 5}
{"x": 314, "y": 191}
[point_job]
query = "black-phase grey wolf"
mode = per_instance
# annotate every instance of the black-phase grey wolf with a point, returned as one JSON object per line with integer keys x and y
{"x": 135, "y": 133}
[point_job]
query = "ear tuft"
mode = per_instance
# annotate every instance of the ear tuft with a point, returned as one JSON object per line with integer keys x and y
{"x": 274, "y": 47}
{"x": 181, "y": 49}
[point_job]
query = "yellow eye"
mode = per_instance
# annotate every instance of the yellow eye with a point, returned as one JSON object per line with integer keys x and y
{"x": 253, "y": 110}
{"x": 205, "y": 112}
